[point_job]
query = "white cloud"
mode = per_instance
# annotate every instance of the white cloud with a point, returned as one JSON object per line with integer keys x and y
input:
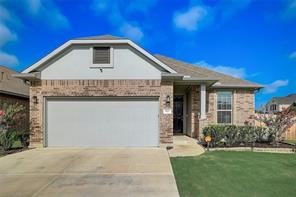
{"x": 290, "y": 10}
{"x": 133, "y": 32}
{"x": 113, "y": 13}
{"x": 4, "y": 14}
{"x": 232, "y": 71}
{"x": 47, "y": 11}
{"x": 6, "y": 35}
{"x": 293, "y": 55}
{"x": 8, "y": 59}
{"x": 34, "y": 6}
{"x": 198, "y": 15}
{"x": 191, "y": 19}
{"x": 57, "y": 20}
{"x": 274, "y": 86}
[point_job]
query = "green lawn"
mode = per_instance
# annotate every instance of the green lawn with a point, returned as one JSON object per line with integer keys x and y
{"x": 291, "y": 141}
{"x": 236, "y": 174}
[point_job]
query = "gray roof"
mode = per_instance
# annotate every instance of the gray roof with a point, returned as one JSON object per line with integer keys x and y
{"x": 288, "y": 100}
{"x": 10, "y": 85}
{"x": 202, "y": 72}
{"x": 101, "y": 37}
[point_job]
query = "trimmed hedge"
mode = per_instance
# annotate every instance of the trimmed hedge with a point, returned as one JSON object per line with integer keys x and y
{"x": 229, "y": 135}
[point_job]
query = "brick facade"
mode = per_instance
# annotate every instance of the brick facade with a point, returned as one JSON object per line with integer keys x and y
{"x": 84, "y": 88}
{"x": 11, "y": 100}
{"x": 242, "y": 107}
{"x": 195, "y": 109}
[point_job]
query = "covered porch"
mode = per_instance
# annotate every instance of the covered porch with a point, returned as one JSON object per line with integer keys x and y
{"x": 190, "y": 106}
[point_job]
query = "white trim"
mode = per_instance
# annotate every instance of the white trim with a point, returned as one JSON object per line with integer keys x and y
{"x": 230, "y": 110}
{"x": 72, "y": 42}
{"x": 203, "y": 101}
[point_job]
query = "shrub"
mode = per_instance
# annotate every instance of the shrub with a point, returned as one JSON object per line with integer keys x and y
{"x": 277, "y": 123}
{"x": 7, "y": 139}
{"x": 10, "y": 116}
{"x": 228, "y": 135}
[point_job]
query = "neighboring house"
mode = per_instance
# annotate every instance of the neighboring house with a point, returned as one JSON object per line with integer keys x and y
{"x": 278, "y": 104}
{"x": 12, "y": 91}
{"x": 108, "y": 91}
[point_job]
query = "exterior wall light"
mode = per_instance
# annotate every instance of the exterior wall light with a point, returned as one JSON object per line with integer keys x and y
{"x": 168, "y": 100}
{"x": 35, "y": 99}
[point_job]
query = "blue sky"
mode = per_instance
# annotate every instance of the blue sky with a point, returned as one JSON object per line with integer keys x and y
{"x": 254, "y": 40}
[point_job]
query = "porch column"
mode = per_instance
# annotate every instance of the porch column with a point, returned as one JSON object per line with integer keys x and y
{"x": 203, "y": 101}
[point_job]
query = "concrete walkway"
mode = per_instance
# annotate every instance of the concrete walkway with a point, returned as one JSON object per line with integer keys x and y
{"x": 87, "y": 172}
{"x": 185, "y": 146}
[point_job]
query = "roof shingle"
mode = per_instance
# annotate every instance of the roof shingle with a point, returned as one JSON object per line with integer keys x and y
{"x": 101, "y": 37}
{"x": 202, "y": 72}
{"x": 288, "y": 100}
{"x": 11, "y": 85}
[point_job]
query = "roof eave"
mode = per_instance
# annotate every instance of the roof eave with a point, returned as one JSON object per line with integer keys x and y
{"x": 257, "y": 87}
{"x": 15, "y": 94}
{"x": 171, "y": 76}
{"x": 74, "y": 42}
{"x": 28, "y": 76}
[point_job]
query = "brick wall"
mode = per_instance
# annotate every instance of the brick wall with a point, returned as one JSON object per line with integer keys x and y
{"x": 45, "y": 88}
{"x": 166, "y": 120}
{"x": 243, "y": 107}
{"x": 195, "y": 109}
{"x": 11, "y": 100}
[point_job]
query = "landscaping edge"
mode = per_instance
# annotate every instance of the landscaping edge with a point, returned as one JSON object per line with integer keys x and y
{"x": 266, "y": 150}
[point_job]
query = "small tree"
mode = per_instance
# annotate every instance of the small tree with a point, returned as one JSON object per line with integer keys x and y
{"x": 278, "y": 123}
{"x": 10, "y": 115}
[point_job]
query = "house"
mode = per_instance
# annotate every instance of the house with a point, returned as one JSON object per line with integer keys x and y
{"x": 278, "y": 104}
{"x": 12, "y": 91}
{"x": 108, "y": 91}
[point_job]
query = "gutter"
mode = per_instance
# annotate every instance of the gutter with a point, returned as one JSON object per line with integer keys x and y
{"x": 258, "y": 87}
{"x": 14, "y": 94}
{"x": 172, "y": 76}
{"x": 34, "y": 76}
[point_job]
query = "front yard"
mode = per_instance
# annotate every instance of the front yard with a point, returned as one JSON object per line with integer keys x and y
{"x": 236, "y": 174}
{"x": 291, "y": 141}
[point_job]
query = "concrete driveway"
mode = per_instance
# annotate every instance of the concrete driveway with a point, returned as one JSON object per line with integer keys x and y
{"x": 87, "y": 172}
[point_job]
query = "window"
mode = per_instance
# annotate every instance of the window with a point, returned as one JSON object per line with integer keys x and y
{"x": 224, "y": 107}
{"x": 102, "y": 55}
{"x": 273, "y": 107}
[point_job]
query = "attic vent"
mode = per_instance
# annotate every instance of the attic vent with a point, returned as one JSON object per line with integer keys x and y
{"x": 101, "y": 55}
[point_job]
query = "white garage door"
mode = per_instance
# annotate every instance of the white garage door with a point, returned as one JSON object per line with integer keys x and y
{"x": 102, "y": 122}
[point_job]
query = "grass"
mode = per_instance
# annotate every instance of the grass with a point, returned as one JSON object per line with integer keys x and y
{"x": 291, "y": 141}
{"x": 236, "y": 174}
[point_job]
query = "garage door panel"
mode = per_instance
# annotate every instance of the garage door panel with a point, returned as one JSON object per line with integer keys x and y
{"x": 115, "y": 122}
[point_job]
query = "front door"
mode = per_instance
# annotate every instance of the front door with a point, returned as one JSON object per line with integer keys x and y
{"x": 178, "y": 114}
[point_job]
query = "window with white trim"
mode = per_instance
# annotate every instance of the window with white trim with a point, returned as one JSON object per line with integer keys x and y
{"x": 224, "y": 107}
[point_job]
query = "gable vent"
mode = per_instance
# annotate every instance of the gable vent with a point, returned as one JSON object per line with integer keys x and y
{"x": 101, "y": 55}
